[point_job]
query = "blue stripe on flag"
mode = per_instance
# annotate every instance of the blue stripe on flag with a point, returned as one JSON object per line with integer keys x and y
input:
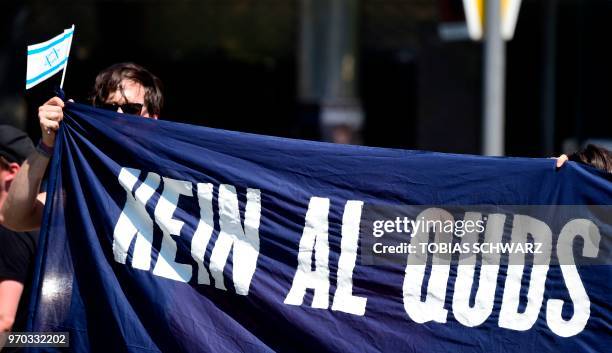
{"x": 63, "y": 38}
{"x": 34, "y": 79}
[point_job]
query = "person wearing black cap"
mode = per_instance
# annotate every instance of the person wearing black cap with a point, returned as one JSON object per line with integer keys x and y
{"x": 16, "y": 249}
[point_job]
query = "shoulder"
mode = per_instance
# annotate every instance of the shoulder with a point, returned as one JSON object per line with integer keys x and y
{"x": 16, "y": 253}
{"x": 11, "y": 240}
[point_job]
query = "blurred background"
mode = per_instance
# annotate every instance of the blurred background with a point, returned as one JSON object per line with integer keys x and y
{"x": 389, "y": 73}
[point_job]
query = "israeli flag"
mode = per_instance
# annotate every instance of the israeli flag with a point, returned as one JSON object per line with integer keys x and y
{"x": 47, "y": 58}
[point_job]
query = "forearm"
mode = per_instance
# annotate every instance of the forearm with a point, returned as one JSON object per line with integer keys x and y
{"x": 22, "y": 210}
{"x": 10, "y": 293}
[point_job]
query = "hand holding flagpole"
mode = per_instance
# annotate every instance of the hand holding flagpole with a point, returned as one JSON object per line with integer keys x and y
{"x": 47, "y": 58}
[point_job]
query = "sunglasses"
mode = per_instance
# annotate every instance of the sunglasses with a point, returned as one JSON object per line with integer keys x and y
{"x": 127, "y": 108}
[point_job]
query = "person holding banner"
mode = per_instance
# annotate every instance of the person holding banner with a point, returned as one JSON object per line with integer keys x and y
{"x": 17, "y": 250}
{"x": 126, "y": 88}
{"x": 592, "y": 155}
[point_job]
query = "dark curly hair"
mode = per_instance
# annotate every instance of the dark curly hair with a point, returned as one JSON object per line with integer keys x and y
{"x": 109, "y": 80}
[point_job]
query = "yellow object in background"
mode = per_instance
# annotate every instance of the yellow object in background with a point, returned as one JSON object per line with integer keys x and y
{"x": 475, "y": 17}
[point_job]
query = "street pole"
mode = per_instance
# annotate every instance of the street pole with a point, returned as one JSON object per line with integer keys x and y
{"x": 549, "y": 40}
{"x": 494, "y": 81}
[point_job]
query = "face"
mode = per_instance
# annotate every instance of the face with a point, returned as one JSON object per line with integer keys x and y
{"x": 342, "y": 134}
{"x": 133, "y": 92}
{"x": 7, "y": 174}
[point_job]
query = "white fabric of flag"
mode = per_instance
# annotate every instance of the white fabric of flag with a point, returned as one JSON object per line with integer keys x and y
{"x": 47, "y": 58}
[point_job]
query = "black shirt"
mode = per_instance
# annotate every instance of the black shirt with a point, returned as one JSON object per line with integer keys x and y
{"x": 17, "y": 252}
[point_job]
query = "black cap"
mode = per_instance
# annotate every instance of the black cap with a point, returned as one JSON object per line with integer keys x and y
{"x": 15, "y": 145}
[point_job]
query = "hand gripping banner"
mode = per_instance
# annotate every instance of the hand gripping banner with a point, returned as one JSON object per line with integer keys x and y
{"x": 167, "y": 237}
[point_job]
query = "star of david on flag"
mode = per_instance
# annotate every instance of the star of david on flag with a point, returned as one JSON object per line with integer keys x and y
{"x": 48, "y": 58}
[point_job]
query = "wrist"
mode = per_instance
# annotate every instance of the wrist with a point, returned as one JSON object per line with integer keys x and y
{"x": 43, "y": 149}
{"x": 48, "y": 140}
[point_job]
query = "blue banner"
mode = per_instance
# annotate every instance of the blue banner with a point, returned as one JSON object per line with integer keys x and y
{"x": 167, "y": 237}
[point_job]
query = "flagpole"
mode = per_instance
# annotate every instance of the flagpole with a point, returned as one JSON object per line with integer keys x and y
{"x": 67, "y": 56}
